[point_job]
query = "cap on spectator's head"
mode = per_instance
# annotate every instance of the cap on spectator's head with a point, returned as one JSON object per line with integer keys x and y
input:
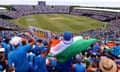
{"x": 44, "y": 49}
{"x": 15, "y": 41}
{"x": 39, "y": 49}
{"x": 67, "y": 36}
{"x": 39, "y": 40}
{"x": 78, "y": 60}
{"x": 2, "y": 49}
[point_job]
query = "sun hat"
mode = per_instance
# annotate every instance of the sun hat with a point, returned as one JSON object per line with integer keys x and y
{"x": 15, "y": 40}
{"x": 107, "y": 65}
{"x": 67, "y": 36}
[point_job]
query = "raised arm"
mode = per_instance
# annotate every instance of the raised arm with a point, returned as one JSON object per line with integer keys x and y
{"x": 30, "y": 36}
{"x": 48, "y": 49}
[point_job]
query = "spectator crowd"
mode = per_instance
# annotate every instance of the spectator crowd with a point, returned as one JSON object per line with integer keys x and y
{"x": 22, "y": 52}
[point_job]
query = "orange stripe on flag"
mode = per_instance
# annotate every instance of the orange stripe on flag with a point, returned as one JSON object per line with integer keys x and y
{"x": 55, "y": 42}
{"x": 110, "y": 44}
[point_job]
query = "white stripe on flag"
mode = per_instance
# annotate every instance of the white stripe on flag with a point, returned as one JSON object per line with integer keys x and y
{"x": 63, "y": 45}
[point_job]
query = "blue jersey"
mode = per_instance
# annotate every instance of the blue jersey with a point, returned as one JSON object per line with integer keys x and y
{"x": 65, "y": 67}
{"x": 79, "y": 68}
{"x": 6, "y": 46}
{"x": 19, "y": 58}
{"x": 96, "y": 47}
{"x": 40, "y": 64}
{"x": 31, "y": 57}
{"x": 116, "y": 50}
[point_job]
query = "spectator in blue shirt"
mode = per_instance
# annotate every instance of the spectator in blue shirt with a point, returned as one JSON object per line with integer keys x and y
{"x": 96, "y": 47}
{"x": 5, "y": 44}
{"x": 18, "y": 56}
{"x": 38, "y": 47}
{"x": 116, "y": 50}
{"x": 66, "y": 66}
{"x": 3, "y": 61}
{"x": 79, "y": 67}
{"x": 31, "y": 58}
{"x": 40, "y": 59}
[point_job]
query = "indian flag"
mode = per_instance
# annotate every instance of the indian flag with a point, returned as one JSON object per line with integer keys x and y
{"x": 64, "y": 50}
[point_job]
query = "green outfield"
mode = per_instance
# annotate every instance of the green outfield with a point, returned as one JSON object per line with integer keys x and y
{"x": 59, "y": 22}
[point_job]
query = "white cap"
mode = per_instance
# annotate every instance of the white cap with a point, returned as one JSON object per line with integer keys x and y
{"x": 2, "y": 49}
{"x": 15, "y": 40}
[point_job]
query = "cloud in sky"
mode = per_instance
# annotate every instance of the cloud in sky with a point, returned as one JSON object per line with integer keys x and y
{"x": 111, "y": 3}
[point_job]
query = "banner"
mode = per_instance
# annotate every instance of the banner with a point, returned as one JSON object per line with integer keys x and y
{"x": 41, "y": 33}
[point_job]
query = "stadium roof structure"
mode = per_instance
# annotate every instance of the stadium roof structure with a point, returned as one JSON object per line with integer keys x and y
{"x": 109, "y": 10}
{"x": 2, "y": 8}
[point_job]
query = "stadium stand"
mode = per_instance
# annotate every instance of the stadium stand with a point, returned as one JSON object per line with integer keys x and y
{"x": 3, "y": 10}
{"x": 12, "y": 14}
{"x": 98, "y": 14}
{"x": 114, "y": 23}
{"x": 4, "y": 23}
{"x": 24, "y": 9}
{"x": 27, "y": 53}
{"x": 52, "y": 9}
{"x": 101, "y": 18}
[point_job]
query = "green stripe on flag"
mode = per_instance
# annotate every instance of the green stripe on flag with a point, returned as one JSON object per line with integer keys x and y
{"x": 75, "y": 48}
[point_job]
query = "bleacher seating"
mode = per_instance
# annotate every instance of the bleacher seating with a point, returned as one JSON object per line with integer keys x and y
{"x": 114, "y": 24}
{"x": 101, "y": 18}
{"x": 6, "y": 24}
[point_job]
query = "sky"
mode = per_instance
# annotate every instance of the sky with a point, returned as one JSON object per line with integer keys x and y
{"x": 105, "y": 3}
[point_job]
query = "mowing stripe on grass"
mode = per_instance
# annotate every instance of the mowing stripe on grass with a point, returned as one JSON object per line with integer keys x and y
{"x": 59, "y": 22}
{"x": 75, "y": 24}
{"x": 48, "y": 24}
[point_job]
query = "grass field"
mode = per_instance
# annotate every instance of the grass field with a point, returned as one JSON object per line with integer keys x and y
{"x": 59, "y": 22}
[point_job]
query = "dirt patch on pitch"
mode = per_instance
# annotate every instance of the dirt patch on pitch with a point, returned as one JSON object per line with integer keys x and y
{"x": 60, "y": 18}
{"x": 30, "y": 19}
